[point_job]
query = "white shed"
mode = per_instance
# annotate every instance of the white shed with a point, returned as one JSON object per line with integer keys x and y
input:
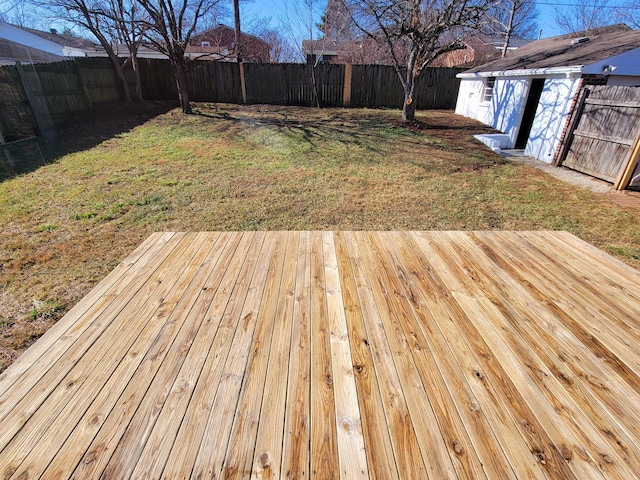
{"x": 529, "y": 94}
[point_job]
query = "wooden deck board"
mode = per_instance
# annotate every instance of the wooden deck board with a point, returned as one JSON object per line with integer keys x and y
{"x": 337, "y": 355}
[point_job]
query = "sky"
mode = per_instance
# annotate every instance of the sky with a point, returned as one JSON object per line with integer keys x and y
{"x": 293, "y": 14}
{"x": 292, "y": 17}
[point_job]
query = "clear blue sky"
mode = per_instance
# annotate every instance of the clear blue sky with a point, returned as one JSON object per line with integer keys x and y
{"x": 294, "y": 14}
{"x": 292, "y": 17}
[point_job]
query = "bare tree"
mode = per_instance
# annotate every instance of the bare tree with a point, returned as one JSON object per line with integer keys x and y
{"x": 509, "y": 18}
{"x": 169, "y": 26}
{"x": 585, "y": 16}
{"x": 237, "y": 47}
{"x": 336, "y": 24}
{"x": 127, "y": 28}
{"x": 295, "y": 18}
{"x": 629, "y": 13}
{"x": 416, "y": 32}
{"x": 281, "y": 50}
{"x": 217, "y": 14}
{"x": 21, "y": 13}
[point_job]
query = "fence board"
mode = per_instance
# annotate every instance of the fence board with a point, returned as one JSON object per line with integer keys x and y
{"x": 158, "y": 81}
{"x": 16, "y": 118}
{"x": 55, "y": 90}
{"x": 375, "y": 86}
{"x": 606, "y": 132}
{"x": 437, "y": 88}
{"x": 98, "y": 77}
{"x": 20, "y": 156}
{"x": 379, "y": 86}
{"x": 214, "y": 82}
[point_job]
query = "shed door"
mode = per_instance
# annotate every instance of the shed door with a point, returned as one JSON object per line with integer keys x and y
{"x": 535, "y": 91}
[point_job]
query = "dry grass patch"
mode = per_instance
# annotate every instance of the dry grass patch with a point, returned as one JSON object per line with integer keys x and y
{"x": 116, "y": 178}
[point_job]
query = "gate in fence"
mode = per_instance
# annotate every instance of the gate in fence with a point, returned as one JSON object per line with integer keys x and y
{"x": 604, "y": 137}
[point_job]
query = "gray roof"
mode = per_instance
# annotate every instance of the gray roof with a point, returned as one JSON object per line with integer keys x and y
{"x": 12, "y": 51}
{"x": 65, "y": 40}
{"x": 567, "y": 50}
{"x": 319, "y": 47}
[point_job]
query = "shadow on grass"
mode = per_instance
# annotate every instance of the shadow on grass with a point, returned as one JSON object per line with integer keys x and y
{"x": 310, "y": 130}
{"x": 346, "y": 126}
{"x": 349, "y": 127}
{"x": 82, "y": 132}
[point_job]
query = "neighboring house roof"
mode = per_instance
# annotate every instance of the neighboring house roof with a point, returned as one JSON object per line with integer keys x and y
{"x": 219, "y": 43}
{"x": 320, "y": 47}
{"x": 10, "y": 52}
{"x": 498, "y": 40}
{"x": 29, "y": 45}
{"x": 359, "y": 51}
{"x": 33, "y": 44}
{"x": 123, "y": 51}
{"x": 566, "y": 51}
{"x": 479, "y": 49}
{"x": 66, "y": 40}
{"x": 26, "y": 44}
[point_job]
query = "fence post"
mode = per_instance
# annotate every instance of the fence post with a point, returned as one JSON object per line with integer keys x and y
{"x": 83, "y": 84}
{"x": 346, "y": 92}
{"x": 243, "y": 85}
{"x": 570, "y": 126}
{"x": 624, "y": 177}
{"x": 40, "y": 124}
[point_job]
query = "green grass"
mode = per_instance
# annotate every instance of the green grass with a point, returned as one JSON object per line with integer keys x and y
{"x": 67, "y": 224}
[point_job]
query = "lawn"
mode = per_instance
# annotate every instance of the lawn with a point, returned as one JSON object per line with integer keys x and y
{"x": 115, "y": 177}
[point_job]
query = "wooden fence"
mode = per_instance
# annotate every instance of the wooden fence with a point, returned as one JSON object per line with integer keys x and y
{"x": 16, "y": 118}
{"x": 372, "y": 86}
{"x": 36, "y": 98}
{"x": 604, "y": 135}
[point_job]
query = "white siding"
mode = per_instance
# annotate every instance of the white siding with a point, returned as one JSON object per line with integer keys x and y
{"x": 504, "y": 112}
{"x": 506, "y": 109}
{"x": 551, "y": 116}
{"x": 507, "y": 105}
{"x": 469, "y": 98}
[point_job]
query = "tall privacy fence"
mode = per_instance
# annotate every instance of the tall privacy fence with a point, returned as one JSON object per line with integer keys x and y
{"x": 35, "y": 98}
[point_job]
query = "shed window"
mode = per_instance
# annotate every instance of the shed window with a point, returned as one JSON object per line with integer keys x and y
{"x": 206, "y": 44}
{"x": 488, "y": 89}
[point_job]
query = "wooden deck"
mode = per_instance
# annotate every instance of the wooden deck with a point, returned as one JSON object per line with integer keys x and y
{"x": 337, "y": 355}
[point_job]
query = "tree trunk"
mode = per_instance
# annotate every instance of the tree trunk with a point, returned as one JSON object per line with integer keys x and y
{"x": 408, "y": 109}
{"x": 314, "y": 83}
{"x": 181, "y": 81}
{"x": 509, "y": 30}
{"x": 115, "y": 61}
{"x": 136, "y": 72}
{"x": 409, "y": 106}
{"x": 238, "y": 38}
{"x": 122, "y": 81}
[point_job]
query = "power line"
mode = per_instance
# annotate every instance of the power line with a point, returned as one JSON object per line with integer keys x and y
{"x": 628, "y": 7}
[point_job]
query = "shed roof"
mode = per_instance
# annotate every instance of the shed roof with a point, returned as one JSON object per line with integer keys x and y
{"x": 567, "y": 50}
